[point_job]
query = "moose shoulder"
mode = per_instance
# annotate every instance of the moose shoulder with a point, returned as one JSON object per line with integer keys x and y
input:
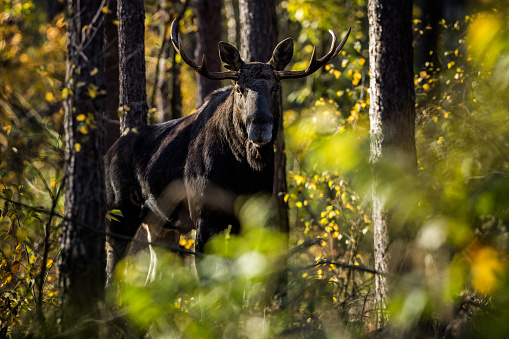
{"x": 187, "y": 173}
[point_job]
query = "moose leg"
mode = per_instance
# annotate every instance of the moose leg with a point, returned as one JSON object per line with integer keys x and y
{"x": 210, "y": 225}
{"x": 118, "y": 237}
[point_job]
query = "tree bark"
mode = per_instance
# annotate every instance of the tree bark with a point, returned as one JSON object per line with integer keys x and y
{"x": 231, "y": 21}
{"x": 82, "y": 258}
{"x": 131, "y": 39}
{"x": 176, "y": 93}
{"x": 112, "y": 76}
{"x": 391, "y": 114}
{"x": 208, "y": 13}
{"x": 258, "y": 33}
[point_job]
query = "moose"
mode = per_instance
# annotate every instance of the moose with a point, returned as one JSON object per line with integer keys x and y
{"x": 186, "y": 173}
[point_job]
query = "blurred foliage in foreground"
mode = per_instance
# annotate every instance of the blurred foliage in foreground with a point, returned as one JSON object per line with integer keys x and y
{"x": 449, "y": 235}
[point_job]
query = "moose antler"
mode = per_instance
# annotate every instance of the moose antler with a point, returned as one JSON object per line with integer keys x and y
{"x": 315, "y": 64}
{"x": 200, "y": 69}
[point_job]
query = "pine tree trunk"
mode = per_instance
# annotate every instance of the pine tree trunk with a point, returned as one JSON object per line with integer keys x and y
{"x": 208, "y": 14}
{"x": 391, "y": 114}
{"x": 161, "y": 95}
{"x": 231, "y": 21}
{"x": 176, "y": 93}
{"x": 112, "y": 75}
{"x": 82, "y": 259}
{"x": 131, "y": 38}
{"x": 258, "y": 29}
{"x": 133, "y": 93}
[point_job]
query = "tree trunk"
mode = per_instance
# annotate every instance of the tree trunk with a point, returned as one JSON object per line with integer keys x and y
{"x": 258, "y": 29}
{"x": 160, "y": 96}
{"x": 112, "y": 76}
{"x": 131, "y": 38}
{"x": 176, "y": 93}
{"x": 208, "y": 13}
{"x": 231, "y": 21}
{"x": 167, "y": 95}
{"x": 391, "y": 114}
{"x": 258, "y": 36}
{"x": 82, "y": 259}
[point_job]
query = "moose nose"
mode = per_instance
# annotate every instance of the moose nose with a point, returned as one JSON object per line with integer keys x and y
{"x": 260, "y": 134}
{"x": 260, "y": 142}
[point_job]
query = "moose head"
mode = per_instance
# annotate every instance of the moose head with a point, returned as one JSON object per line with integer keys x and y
{"x": 257, "y": 85}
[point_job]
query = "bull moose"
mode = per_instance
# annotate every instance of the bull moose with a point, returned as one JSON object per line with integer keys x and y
{"x": 186, "y": 173}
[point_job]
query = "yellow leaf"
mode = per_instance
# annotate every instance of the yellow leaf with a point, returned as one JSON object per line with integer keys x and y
{"x": 299, "y": 179}
{"x": 49, "y": 96}
{"x": 15, "y": 267}
{"x": 94, "y": 71}
{"x": 81, "y": 117}
{"x": 77, "y": 147}
{"x": 298, "y": 204}
{"x": 83, "y": 129}
{"x": 487, "y": 269}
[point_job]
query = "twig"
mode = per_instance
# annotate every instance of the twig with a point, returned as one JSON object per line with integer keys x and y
{"x": 340, "y": 264}
{"x": 41, "y": 279}
{"x": 364, "y": 304}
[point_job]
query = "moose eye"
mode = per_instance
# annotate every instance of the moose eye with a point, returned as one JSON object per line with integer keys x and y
{"x": 275, "y": 89}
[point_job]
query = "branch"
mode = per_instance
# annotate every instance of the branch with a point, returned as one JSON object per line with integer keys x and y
{"x": 111, "y": 234}
{"x": 340, "y": 264}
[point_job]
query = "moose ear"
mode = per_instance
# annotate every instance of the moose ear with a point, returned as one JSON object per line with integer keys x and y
{"x": 230, "y": 56}
{"x": 282, "y": 54}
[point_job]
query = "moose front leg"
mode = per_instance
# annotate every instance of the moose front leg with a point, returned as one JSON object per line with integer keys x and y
{"x": 209, "y": 226}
